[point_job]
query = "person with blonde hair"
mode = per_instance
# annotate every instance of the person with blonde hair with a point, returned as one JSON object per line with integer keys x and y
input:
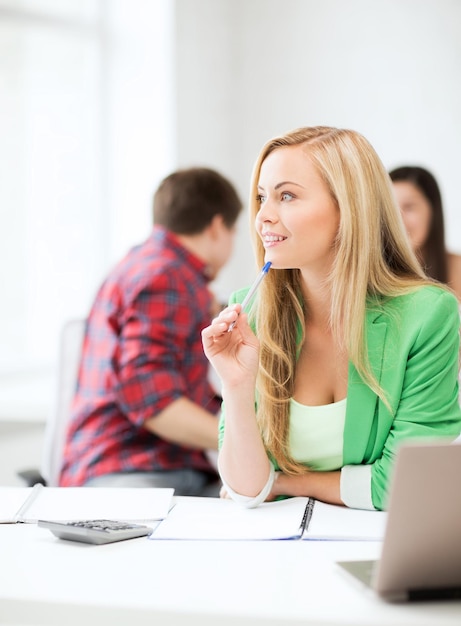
{"x": 348, "y": 349}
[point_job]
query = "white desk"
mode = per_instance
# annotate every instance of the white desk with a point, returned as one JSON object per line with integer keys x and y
{"x": 46, "y": 581}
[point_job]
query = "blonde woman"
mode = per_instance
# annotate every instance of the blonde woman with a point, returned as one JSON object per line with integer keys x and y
{"x": 348, "y": 349}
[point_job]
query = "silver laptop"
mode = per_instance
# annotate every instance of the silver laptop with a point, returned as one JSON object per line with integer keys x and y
{"x": 421, "y": 552}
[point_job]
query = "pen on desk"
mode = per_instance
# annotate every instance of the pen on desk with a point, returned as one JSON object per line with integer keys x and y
{"x": 252, "y": 291}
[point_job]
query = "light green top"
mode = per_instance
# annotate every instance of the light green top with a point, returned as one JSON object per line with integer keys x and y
{"x": 317, "y": 434}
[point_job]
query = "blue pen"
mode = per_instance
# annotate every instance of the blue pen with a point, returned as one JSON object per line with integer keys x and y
{"x": 252, "y": 291}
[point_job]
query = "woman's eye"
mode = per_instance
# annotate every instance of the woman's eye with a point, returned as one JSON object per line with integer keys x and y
{"x": 260, "y": 199}
{"x": 287, "y": 196}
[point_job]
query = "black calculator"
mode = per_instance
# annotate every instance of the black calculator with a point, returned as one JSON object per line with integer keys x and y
{"x": 97, "y": 531}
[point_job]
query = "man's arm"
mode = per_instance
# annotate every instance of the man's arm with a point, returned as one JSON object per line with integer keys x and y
{"x": 185, "y": 423}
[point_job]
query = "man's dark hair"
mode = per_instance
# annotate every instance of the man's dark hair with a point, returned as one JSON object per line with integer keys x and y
{"x": 187, "y": 200}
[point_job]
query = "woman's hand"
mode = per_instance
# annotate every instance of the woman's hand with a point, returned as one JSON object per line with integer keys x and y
{"x": 234, "y": 354}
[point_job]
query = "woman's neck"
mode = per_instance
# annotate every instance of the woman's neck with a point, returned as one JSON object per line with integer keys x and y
{"x": 317, "y": 300}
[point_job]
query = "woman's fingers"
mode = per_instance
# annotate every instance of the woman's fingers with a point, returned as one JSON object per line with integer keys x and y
{"x": 220, "y": 324}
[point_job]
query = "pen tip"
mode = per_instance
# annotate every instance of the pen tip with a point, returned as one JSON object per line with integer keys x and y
{"x": 267, "y": 266}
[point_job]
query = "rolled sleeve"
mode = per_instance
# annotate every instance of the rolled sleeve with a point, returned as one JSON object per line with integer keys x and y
{"x": 355, "y": 486}
{"x": 250, "y": 502}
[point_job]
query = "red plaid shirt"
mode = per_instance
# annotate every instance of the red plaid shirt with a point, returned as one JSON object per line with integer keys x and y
{"x": 142, "y": 350}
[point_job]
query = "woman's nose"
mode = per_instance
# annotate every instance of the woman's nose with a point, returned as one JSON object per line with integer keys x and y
{"x": 267, "y": 212}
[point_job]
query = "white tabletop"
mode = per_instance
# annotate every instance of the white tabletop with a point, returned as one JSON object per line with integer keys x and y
{"x": 44, "y": 580}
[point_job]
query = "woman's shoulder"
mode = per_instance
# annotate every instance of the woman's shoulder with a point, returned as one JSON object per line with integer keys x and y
{"x": 454, "y": 273}
{"x": 420, "y": 315}
{"x": 454, "y": 259}
{"x": 423, "y": 301}
{"x": 238, "y": 296}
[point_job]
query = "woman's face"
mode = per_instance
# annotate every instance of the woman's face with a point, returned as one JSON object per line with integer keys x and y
{"x": 416, "y": 212}
{"x": 298, "y": 220}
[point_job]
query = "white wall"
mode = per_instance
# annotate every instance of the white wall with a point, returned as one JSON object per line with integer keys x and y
{"x": 139, "y": 128}
{"x": 250, "y": 69}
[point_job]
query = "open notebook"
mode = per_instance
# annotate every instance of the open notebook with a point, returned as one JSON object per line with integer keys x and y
{"x": 421, "y": 553}
{"x": 29, "y": 504}
{"x": 293, "y": 518}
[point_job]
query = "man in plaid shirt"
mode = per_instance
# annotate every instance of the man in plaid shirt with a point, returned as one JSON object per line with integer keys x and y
{"x": 144, "y": 413}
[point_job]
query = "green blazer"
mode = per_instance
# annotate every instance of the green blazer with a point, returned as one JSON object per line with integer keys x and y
{"x": 413, "y": 349}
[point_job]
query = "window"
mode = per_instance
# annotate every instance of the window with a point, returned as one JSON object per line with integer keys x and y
{"x": 85, "y": 121}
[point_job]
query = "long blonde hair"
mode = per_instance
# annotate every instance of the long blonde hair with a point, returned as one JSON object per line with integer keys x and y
{"x": 372, "y": 259}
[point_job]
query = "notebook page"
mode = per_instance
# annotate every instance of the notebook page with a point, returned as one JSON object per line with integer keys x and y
{"x": 11, "y": 500}
{"x": 219, "y": 519}
{"x": 330, "y": 521}
{"x": 80, "y": 503}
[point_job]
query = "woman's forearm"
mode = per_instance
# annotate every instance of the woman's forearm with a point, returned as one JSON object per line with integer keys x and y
{"x": 243, "y": 461}
{"x": 324, "y": 486}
